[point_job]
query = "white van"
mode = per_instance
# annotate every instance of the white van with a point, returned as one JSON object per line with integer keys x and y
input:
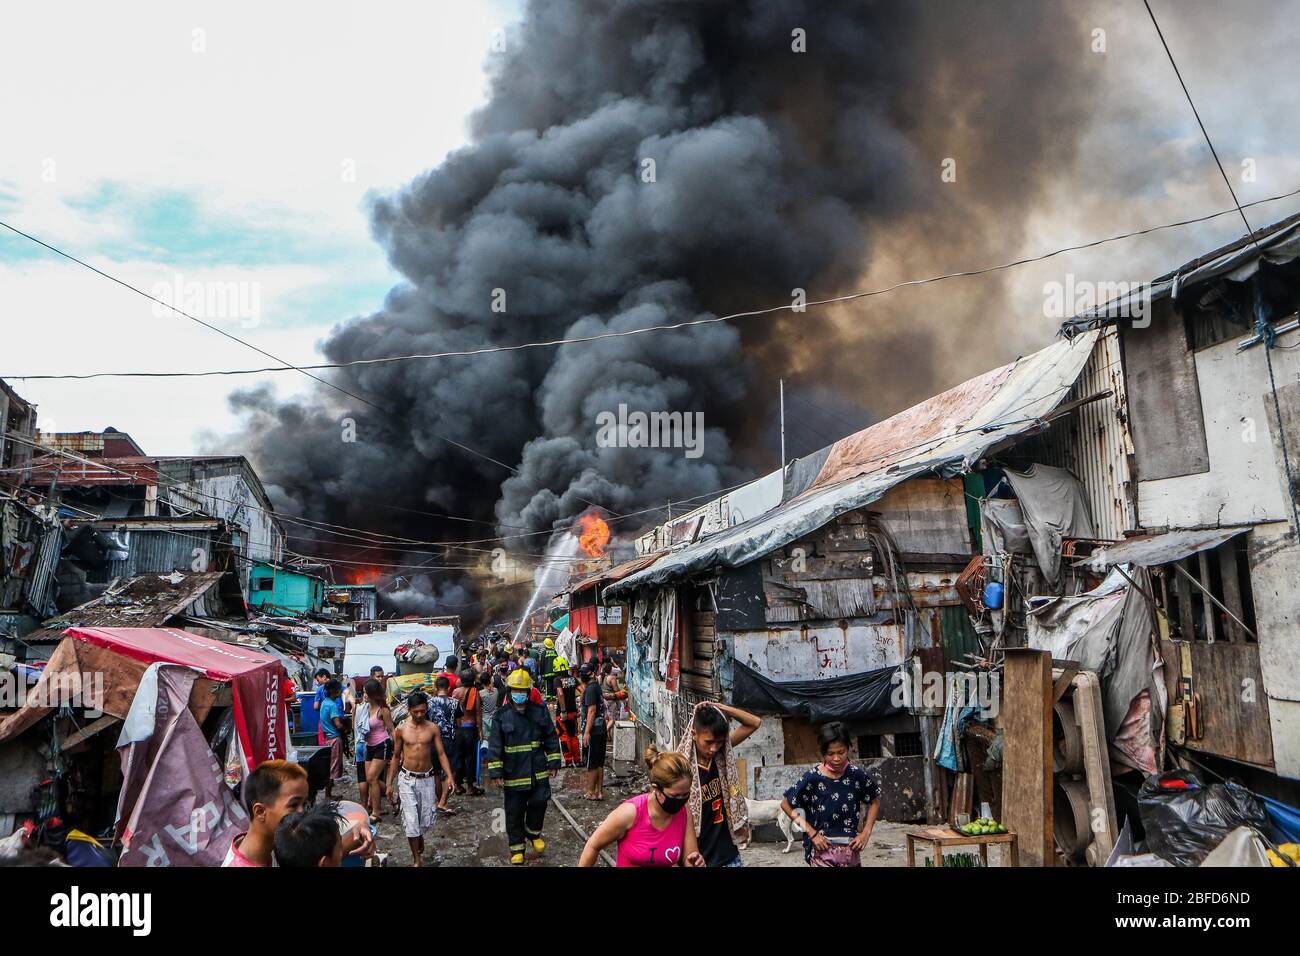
{"x": 364, "y": 651}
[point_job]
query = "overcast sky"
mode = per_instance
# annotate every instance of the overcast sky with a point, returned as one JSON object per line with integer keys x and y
{"x": 236, "y": 142}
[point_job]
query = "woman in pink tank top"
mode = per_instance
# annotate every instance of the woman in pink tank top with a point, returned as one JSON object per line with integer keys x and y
{"x": 379, "y": 749}
{"x": 651, "y": 829}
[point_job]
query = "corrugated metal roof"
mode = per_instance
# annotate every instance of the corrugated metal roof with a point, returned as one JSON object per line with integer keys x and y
{"x": 973, "y": 418}
{"x": 149, "y": 600}
{"x": 617, "y": 573}
{"x": 158, "y": 548}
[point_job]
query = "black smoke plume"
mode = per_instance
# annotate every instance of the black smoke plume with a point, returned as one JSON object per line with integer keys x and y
{"x": 641, "y": 162}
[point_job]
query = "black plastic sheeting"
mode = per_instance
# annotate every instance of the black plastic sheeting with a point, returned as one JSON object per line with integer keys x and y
{"x": 853, "y": 697}
{"x": 1185, "y": 819}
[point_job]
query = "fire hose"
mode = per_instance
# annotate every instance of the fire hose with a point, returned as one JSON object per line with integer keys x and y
{"x": 604, "y": 854}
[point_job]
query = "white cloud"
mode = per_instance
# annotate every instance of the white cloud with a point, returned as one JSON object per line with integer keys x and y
{"x": 66, "y": 320}
{"x": 261, "y": 127}
{"x": 282, "y": 97}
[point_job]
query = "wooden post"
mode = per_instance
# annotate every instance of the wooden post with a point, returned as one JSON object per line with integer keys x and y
{"x": 1027, "y": 753}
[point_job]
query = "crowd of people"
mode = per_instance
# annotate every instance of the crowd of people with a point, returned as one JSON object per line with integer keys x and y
{"x": 514, "y": 716}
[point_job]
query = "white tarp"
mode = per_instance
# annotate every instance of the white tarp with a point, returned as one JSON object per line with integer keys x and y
{"x": 1055, "y": 507}
{"x": 1158, "y": 549}
{"x": 1242, "y": 847}
{"x": 566, "y": 646}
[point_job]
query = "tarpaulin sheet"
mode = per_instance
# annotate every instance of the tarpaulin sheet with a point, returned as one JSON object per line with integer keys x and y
{"x": 99, "y": 680}
{"x": 1017, "y": 398}
{"x": 1158, "y": 549}
{"x": 1055, "y": 508}
{"x": 852, "y": 697}
{"x": 1003, "y": 526}
{"x": 1108, "y": 630}
{"x": 1285, "y": 819}
{"x": 174, "y": 808}
{"x": 256, "y": 679}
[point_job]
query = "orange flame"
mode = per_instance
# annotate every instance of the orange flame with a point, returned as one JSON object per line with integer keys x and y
{"x": 365, "y": 575}
{"x": 593, "y": 534}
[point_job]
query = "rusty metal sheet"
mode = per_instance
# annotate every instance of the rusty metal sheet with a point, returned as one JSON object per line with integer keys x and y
{"x": 616, "y": 573}
{"x": 884, "y": 443}
{"x": 149, "y": 600}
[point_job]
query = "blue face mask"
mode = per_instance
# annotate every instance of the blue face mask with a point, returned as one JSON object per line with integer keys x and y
{"x": 519, "y": 696}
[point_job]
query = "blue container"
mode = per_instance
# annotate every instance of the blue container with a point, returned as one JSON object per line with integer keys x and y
{"x": 310, "y": 717}
{"x": 993, "y": 595}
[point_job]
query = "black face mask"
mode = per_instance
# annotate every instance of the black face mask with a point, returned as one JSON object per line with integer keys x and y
{"x": 672, "y": 805}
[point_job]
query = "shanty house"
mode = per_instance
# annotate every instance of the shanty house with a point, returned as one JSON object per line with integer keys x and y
{"x": 31, "y": 541}
{"x": 139, "y": 498}
{"x": 276, "y": 589}
{"x": 599, "y": 621}
{"x": 1211, "y": 376}
{"x": 17, "y": 434}
{"x": 847, "y": 575}
{"x": 353, "y": 602}
{"x": 110, "y": 443}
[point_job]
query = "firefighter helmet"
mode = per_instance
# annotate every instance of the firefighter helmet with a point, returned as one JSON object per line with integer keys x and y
{"x": 519, "y": 680}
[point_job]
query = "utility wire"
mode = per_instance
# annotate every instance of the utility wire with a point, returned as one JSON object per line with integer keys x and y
{"x": 287, "y": 366}
{"x": 374, "y": 539}
{"x": 1265, "y": 332}
{"x": 323, "y": 527}
{"x": 552, "y": 343}
{"x": 1250, "y": 233}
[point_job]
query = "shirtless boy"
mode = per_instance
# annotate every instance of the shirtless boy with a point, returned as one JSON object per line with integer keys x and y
{"x": 418, "y": 741}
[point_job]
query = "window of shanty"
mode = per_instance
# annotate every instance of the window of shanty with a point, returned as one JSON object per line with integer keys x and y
{"x": 908, "y": 745}
{"x": 1224, "y": 309}
{"x": 1223, "y": 572}
{"x": 869, "y": 746}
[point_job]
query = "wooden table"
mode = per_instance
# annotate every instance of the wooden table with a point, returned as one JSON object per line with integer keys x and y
{"x": 940, "y": 837}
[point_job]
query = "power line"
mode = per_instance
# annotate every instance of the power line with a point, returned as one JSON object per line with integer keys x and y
{"x": 374, "y": 540}
{"x": 323, "y": 527}
{"x": 1265, "y": 332}
{"x": 287, "y": 366}
{"x": 553, "y": 343}
{"x": 1197, "y": 113}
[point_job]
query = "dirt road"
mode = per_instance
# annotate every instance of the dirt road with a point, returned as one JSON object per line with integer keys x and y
{"x": 475, "y": 836}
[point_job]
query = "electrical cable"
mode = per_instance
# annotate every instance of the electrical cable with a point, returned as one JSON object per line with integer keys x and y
{"x": 552, "y": 343}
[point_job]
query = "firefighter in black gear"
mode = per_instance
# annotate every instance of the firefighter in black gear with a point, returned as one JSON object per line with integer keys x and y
{"x": 523, "y": 755}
